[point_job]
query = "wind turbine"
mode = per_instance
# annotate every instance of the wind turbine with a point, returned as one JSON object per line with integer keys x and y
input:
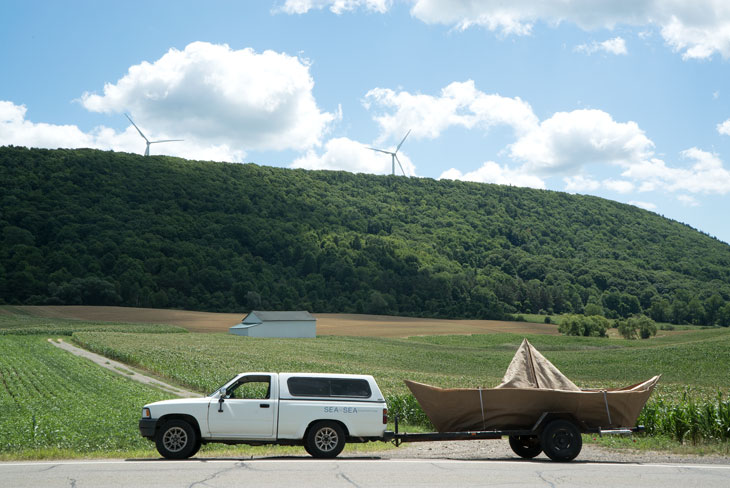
{"x": 393, "y": 156}
{"x": 147, "y": 150}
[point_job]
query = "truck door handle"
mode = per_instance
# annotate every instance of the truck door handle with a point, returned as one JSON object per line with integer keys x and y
{"x": 264, "y": 405}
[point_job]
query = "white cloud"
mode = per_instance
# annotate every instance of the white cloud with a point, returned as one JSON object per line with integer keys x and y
{"x": 705, "y": 175}
{"x": 16, "y": 130}
{"x": 619, "y": 186}
{"x": 698, "y": 29}
{"x": 569, "y": 140}
{"x": 214, "y": 95}
{"x": 335, "y": 6}
{"x": 688, "y": 200}
{"x": 459, "y": 104}
{"x": 345, "y": 154}
{"x": 491, "y": 172}
{"x": 644, "y": 205}
{"x": 724, "y": 128}
{"x": 617, "y": 46}
{"x": 580, "y": 184}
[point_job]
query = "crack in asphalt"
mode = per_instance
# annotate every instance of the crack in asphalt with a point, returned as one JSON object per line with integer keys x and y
{"x": 343, "y": 476}
{"x": 542, "y": 477}
{"x": 72, "y": 482}
{"x": 204, "y": 482}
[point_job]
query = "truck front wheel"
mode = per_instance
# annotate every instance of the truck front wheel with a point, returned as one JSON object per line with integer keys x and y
{"x": 325, "y": 439}
{"x": 176, "y": 439}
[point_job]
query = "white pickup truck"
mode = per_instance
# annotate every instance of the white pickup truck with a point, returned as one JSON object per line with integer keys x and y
{"x": 319, "y": 411}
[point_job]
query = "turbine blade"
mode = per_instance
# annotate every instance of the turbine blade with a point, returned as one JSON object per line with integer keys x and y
{"x": 166, "y": 140}
{"x": 380, "y": 150}
{"x": 404, "y": 140}
{"x": 401, "y": 166}
{"x": 147, "y": 149}
{"x": 135, "y": 126}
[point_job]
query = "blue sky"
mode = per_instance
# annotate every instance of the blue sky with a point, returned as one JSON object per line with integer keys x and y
{"x": 627, "y": 100}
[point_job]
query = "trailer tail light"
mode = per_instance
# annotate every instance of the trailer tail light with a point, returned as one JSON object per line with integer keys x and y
{"x": 385, "y": 416}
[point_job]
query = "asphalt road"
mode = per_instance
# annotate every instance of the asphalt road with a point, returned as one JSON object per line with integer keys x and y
{"x": 364, "y": 472}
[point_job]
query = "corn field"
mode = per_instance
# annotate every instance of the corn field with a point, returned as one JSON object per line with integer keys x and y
{"x": 689, "y": 420}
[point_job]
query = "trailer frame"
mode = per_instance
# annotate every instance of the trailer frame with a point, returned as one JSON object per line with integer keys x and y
{"x": 555, "y": 433}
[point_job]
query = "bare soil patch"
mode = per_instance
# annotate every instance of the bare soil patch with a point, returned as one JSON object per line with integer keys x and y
{"x": 327, "y": 324}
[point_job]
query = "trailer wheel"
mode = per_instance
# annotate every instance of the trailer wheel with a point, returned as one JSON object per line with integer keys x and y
{"x": 561, "y": 440}
{"x": 525, "y": 446}
{"x": 325, "y": 439}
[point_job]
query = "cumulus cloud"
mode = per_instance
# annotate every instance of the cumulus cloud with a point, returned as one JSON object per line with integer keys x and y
{"x": 459, "y": 104}
{"x": 619, "y": 186}
{"x": 688, "y": 200}
{"x": 564, "y": 144}
{"x": 16, "y": 130}
{"x": 697, "y": 29}
{"x": 342, "y": 153}
{"x": 644, "y": 205}
{"x": 724, "y": 128}
{"x": 611, "y": 46}
{"x": 335, "y": 6}
{"x": 581, "y": 184}
{"x": 569, "y": 140}
{"x": 705, "y": 174}
{"x": 491, "y": 172}
{"x": 222, "y": 97}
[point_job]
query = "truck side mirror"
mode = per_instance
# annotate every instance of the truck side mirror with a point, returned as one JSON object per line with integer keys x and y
{"x": 221, "y": 398}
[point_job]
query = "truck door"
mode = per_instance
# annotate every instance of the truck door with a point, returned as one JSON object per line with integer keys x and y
{"x": 248, "y": 409}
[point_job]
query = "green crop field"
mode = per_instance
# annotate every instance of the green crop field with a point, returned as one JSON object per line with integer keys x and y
{"x": 57, "y": 405}
{"x": 693, "y": 360}
{"x": 52, "y": 401}
{"x": 18, "y": 324}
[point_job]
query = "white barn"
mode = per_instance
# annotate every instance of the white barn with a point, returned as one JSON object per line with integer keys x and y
{"x": 276, "y": 324}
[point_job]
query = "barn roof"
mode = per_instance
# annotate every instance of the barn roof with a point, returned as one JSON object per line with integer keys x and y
{"x": 257, "y": 317}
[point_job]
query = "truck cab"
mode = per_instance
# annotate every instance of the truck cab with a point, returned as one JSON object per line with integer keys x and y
{"x": 319, "y": 411}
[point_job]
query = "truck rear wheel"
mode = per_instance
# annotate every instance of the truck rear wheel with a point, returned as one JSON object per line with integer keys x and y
{"x": 325, "y": 439}
{"x": 525, "y": 446}
{"x": 176, "y": 439}
{"x": 561, "y": 440}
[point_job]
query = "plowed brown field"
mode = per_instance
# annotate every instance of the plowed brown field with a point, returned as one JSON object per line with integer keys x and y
{"x": 327, "y": 323}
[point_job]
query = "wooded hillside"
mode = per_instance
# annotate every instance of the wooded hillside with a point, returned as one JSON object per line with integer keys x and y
{"x": 94, "y": 227}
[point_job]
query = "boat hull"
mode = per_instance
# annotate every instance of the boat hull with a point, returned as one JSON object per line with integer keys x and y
{"x": 463, "y": 409}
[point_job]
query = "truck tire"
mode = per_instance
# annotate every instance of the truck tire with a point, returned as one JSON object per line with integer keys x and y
{"x": 325, "y": 439}
{"x": 525, "y": 446}
{"x": 561, "y": 440}
{"x": 176, "y": 439}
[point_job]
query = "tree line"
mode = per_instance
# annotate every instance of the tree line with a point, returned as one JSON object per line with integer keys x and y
{"x": 104, "y": 228}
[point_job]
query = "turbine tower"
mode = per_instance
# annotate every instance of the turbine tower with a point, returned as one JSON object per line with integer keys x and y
{"x": 147, "y": 150}
{"x": 393, "y": 155}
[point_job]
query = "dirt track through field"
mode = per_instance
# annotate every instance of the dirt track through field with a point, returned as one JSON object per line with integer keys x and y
{"x": 123, "y": 369}
{"x": 327, "y": 324}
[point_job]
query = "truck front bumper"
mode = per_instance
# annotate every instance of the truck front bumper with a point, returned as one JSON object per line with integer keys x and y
{"x": 147, "y": 427}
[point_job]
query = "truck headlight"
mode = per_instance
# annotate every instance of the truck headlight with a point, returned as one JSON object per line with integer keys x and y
{"x": 146, "y": 413}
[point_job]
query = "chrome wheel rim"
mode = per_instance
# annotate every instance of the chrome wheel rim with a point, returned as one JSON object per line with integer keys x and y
{"x": 326, "y": 439}
{"x": 175, "y": 439}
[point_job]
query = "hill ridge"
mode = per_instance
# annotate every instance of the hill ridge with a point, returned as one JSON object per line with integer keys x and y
{"x": 99, "y": 227}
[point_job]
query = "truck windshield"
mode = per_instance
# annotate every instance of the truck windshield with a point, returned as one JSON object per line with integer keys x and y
{"x": 224, "y": 384}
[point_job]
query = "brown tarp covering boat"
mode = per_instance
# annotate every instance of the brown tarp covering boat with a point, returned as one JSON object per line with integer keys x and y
{"x": 530, "y": 387}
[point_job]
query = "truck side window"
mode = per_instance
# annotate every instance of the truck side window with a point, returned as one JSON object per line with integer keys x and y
{"x": 328, "y": 387}
{"x": 252, "y": 388}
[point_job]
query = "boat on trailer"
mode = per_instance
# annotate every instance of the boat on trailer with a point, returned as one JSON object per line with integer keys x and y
{"x": 536, "y": 405}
